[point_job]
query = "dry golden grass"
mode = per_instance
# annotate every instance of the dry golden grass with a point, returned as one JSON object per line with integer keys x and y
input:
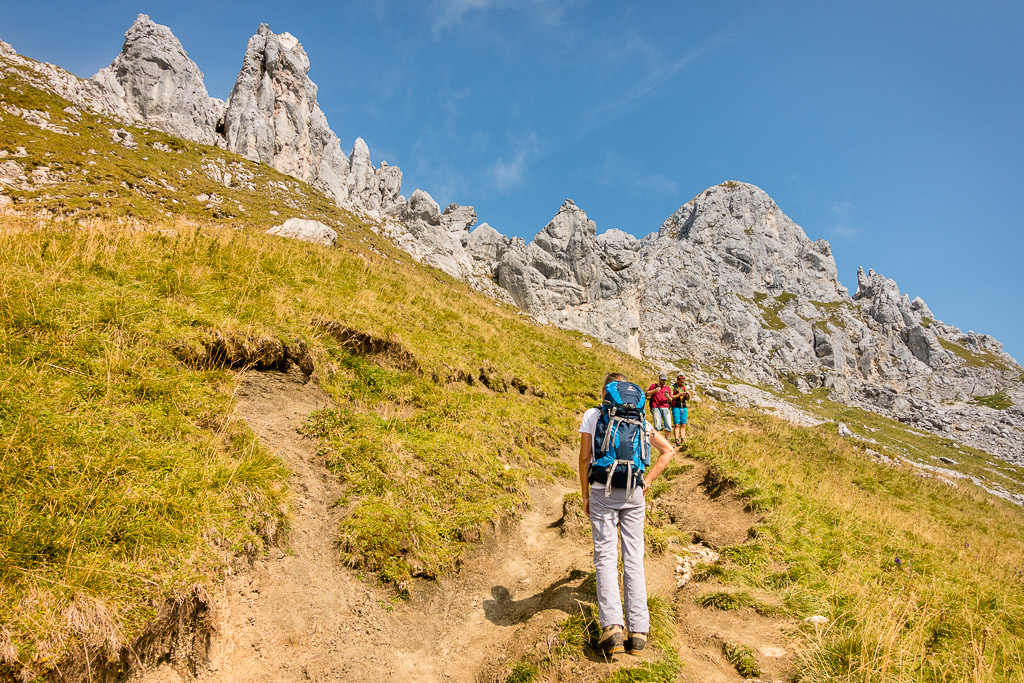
{"x": 922, "y": 581}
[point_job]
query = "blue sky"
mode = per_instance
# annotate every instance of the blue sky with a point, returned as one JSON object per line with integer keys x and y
{"x": 891, "y": 129}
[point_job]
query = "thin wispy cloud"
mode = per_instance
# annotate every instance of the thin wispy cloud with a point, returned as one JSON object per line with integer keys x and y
{"x": 508, "y": 173}
{"x": 627, "y": 99}
{"x": 840, "y": 227}
{"x": 455, "y": 14}
{"x": 630, "y": 176}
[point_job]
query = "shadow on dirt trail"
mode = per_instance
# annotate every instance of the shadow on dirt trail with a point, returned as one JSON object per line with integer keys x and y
{"x": 562, "y": 595}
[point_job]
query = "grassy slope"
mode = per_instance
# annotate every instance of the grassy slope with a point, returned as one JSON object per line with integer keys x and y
{"x": 924, "y": 582}
{"x": 125, "y": 476}
{"x": 895, "y": 439}
{"x": 126, "y": 479}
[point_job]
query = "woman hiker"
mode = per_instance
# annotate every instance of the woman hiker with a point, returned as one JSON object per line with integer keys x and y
{"x": 617, "y": 511}
{"x": 679, "y": 397}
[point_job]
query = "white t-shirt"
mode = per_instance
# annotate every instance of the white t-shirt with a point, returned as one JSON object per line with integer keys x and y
{"x": 589, "y": 426}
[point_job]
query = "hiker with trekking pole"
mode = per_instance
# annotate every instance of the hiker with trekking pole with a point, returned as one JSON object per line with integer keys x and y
{"x": 615, "y": 448}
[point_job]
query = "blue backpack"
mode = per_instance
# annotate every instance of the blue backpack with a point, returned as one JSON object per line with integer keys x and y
{"x": 621, "y": 449}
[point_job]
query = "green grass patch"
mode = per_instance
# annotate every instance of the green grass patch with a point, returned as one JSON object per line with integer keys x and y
{"x": 664, "y": 669}
{"x": 831, "y": 313}
{"x": 997, "y": 401}
{"x": 96, "y": 177}
{"x": 975, "y": 359}
{"x": 770, "y": 307}
{"x": 742, "y": 659}
{"x": 895, "y": 439}
{"x": 523, "y": 672}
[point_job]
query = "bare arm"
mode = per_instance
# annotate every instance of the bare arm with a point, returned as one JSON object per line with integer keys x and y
{"x": 665, "y": 454}
{"x": 586, "y": 451}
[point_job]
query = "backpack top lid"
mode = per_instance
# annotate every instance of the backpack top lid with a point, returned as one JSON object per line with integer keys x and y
{"x": 626, "y": 395}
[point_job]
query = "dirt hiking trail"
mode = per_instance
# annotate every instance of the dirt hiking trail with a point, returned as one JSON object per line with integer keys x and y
{"x": 299, "y": 614}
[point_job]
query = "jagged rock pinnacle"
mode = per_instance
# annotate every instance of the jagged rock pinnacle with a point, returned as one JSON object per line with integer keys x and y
{"x": 154, "y": 83}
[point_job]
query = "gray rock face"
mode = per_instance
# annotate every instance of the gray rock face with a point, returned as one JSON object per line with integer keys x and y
{"x": 154, "y": 83}
{"x": 730, "y": 281}
{"x": 569, "y": 277}
{"x": 486, "y": 246}
{"x": 273, "y": 116}
{"x": 712, "y": 266}
{"x": 368, "y": 188}
{"x": 307, "y": 231}
{"x": 430, "y": 236}
{"x": 458, "y": 219}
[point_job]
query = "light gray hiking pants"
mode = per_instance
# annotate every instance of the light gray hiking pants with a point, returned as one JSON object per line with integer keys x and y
{"x": 610, "y": 517}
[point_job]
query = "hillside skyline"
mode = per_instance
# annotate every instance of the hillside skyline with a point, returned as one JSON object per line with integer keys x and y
{"x": 893, "y": 162}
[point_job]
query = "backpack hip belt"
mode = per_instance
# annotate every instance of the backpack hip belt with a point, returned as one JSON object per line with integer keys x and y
{"x": 632, "y": 481}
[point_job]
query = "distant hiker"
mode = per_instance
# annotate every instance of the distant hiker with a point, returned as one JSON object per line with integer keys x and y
{"x": 679, "y": 397}
{"x": 615, "y": 448}
{"x": 660, "y": 396}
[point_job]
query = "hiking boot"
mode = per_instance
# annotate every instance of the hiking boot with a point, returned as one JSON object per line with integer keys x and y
{"x": 635, "y": 643}
{"x": 611, "y": 641}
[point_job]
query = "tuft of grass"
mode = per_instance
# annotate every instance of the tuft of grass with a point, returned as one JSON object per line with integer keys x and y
{"x": 523, "y": 672}
{"x": 975, "y": 359}
{"x": 663, "y": 619}
{"x": 997, "y": 401}
{"x": 742, "y": 659}
{"x": 732, "y": 600}
{"x": 563, "y": 471}
{"x": 665, "y": 669}
{"x": 661, "y": 538}
{"x": 714, "y": 571}
{"x": 578, "y": 633}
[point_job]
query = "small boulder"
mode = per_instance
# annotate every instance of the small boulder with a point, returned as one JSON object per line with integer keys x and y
{"x": 720, "y": 394}
{"x": 123, "y": 137}
{"x": 307, "y": 231}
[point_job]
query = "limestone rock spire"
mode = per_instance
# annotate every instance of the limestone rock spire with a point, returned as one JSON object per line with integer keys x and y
{"x": 153, "y": 82}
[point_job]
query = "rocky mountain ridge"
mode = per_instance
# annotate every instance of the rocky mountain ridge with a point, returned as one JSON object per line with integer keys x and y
{"x": 731, "y": 288}
{"x": 728, "y": 286}
{"x": 271, "y": 116}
